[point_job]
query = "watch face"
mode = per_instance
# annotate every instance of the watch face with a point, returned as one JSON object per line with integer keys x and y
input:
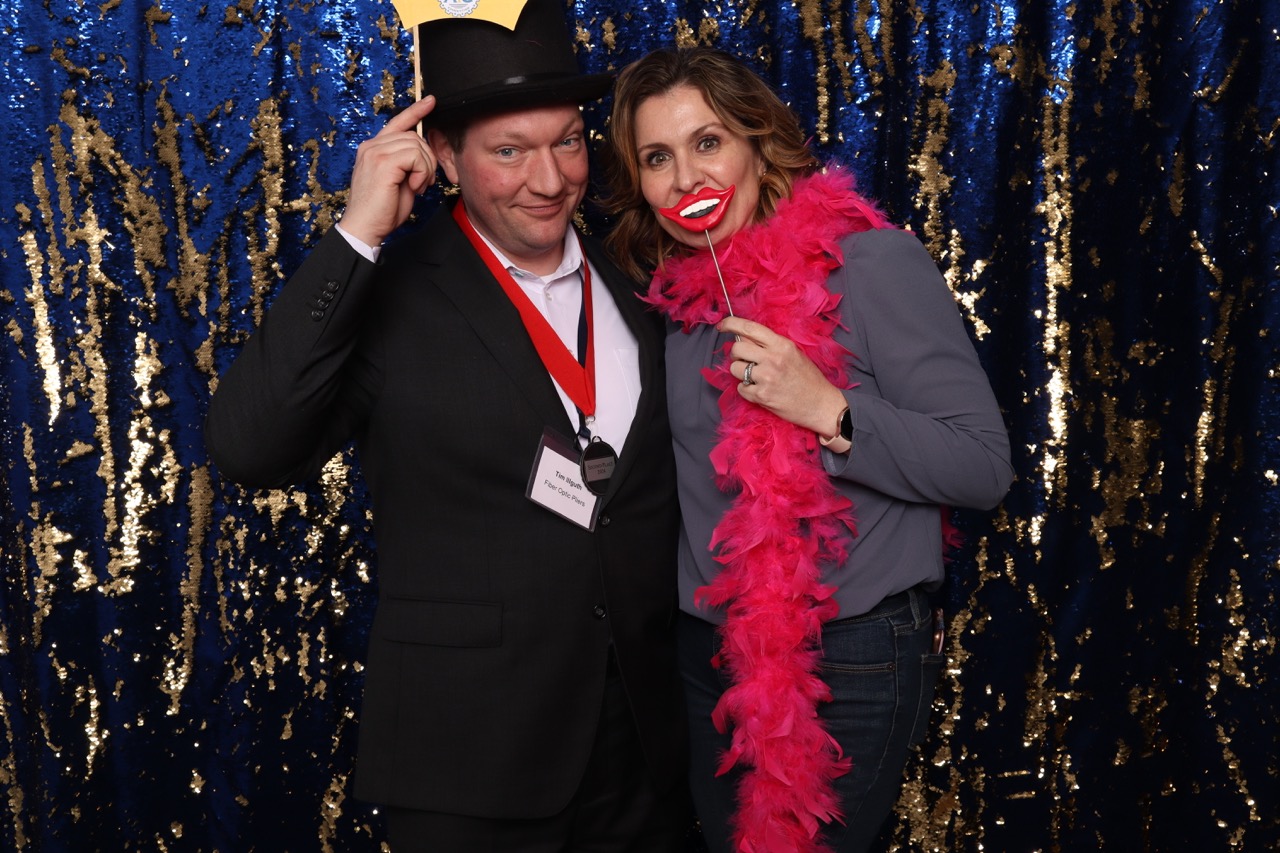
{"x": 846, "y": 425}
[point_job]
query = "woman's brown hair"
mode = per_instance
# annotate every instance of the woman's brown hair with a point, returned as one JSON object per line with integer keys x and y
{"x": 740, "y": 99}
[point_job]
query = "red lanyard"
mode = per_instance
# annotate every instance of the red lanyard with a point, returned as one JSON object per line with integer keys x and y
{"x": 577, "y": 380}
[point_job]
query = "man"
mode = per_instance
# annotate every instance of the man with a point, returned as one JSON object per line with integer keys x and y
{"x": 521, "y": 692}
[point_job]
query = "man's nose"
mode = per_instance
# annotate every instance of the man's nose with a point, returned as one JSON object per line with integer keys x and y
{"x": 545, "y": 174}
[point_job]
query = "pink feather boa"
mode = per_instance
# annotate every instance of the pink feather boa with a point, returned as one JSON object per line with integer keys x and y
{"x": 787, "y": 520}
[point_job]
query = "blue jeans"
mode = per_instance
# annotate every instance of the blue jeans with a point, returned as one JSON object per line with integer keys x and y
{"x": 882, "y": 671}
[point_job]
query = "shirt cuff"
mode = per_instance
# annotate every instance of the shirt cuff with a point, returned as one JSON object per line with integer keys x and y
{"x": 369, "y": 253}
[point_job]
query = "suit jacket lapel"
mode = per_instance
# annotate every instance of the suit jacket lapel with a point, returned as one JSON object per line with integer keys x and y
{"x": 462, "y": 276}
{"x": 466, "y": 281}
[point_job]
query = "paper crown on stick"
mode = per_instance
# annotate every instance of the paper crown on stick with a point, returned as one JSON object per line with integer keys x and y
{"x": 502, "y": 12}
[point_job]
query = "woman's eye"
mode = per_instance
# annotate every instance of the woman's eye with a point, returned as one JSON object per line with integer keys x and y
{"x": 707, "y": 143}
{"x": 657, "y": 158}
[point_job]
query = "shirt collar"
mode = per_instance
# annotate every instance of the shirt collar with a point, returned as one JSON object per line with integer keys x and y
{"x": 570, "y": 262}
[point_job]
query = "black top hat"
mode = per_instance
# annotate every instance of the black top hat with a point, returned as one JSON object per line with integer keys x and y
{"x": 475, "y": 67}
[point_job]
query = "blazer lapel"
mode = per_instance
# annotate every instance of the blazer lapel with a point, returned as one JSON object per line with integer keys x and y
{"x": 462, "y": 276}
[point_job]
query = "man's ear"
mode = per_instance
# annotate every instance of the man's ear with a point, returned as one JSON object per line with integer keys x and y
{"x": 444, "y": 153}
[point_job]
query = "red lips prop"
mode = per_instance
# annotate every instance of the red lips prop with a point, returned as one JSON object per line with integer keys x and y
{"x": 700, "y": 211}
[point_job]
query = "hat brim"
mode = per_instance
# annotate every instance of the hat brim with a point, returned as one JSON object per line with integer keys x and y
{"x": 576, "y": 89}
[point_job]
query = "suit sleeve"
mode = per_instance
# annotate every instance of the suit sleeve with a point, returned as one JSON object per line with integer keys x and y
{"x": 296, "y": 394}
{"x": 926, "y": 425}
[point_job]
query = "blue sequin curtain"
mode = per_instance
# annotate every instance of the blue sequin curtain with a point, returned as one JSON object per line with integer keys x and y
{"x": 180, "y": 659}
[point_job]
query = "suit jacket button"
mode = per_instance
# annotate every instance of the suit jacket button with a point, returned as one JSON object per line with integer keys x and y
{"x": 605, "y": 521}
{"x": 331, "y": 285}
{"x": 317, "y": 315}
{"x": 598, "y": 611}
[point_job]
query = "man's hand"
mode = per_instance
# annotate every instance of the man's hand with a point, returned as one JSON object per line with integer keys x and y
{"x": 391, "y": 170}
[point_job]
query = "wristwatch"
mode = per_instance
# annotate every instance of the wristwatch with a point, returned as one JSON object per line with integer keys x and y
{"x": 844, "y": 429}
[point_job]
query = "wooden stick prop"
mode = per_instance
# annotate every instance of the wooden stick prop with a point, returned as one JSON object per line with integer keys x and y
{"x": 702, "y": 211}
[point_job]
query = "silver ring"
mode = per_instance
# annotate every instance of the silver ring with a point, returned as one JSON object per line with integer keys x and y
{"x": 746, "y": 374}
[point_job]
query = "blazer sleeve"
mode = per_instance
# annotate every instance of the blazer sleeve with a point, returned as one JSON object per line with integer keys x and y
{"x": 926, "y": 424}
{"x": 296, "y": 395}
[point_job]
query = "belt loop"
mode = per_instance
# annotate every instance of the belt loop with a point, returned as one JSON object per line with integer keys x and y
{"x": 919, "y": 605}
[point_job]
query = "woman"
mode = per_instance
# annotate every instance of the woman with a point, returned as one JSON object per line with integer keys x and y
{"x": 828, "y": 378}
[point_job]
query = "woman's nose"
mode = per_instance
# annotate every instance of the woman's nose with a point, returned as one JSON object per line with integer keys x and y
{"x": 687, "y": 176}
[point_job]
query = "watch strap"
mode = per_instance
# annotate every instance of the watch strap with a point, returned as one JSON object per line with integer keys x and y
{"x": 844, "y": 430}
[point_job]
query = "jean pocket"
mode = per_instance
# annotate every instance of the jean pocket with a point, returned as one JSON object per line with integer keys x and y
{"x": 930, "y": 670}
{"x": 860, "y": 646}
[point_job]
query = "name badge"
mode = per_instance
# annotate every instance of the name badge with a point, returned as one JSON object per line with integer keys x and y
{"x": 557, "y": 483}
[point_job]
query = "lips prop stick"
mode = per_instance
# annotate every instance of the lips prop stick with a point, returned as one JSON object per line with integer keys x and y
{"x": 700, "y": 212}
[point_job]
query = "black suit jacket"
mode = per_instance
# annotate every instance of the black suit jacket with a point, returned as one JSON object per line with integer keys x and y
{"x": 488, "y": 652}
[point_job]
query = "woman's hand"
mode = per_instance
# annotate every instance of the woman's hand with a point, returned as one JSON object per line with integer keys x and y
{"x": 783, "y": 379}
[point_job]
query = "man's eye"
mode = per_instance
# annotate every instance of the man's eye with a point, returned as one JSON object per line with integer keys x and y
{"x": 506, "y": 152}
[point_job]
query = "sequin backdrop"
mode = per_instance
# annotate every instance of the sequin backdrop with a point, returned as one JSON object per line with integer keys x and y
{"x": 180, "y": 659}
